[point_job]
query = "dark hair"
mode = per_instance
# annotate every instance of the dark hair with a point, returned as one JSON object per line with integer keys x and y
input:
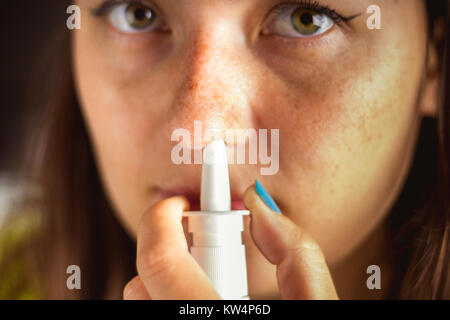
{"x": 420, "y": 220}
{"x": 78, "y": 225}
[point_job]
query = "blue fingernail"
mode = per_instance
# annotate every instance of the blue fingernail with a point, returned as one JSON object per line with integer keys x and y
{"x": 265, "y": 196}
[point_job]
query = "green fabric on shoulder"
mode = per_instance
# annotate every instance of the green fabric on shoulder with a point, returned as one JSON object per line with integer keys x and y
{"x": 15, "y": 277}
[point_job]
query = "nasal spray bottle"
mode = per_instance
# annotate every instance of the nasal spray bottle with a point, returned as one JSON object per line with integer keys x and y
{"x": 216, "y": 229}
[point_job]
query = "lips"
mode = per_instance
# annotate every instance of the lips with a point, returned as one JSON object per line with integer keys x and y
{"x": 194, "y": 199}
{"x": 194, "y": 205}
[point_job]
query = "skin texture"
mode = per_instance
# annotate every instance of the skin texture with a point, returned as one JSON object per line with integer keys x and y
{"x": 345, "y": 102}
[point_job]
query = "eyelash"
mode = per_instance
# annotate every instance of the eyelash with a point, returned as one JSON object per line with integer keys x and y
{"x": 313, "y": 6}
{"x": 293, "y": 4}
{"x": 107, "y": 5}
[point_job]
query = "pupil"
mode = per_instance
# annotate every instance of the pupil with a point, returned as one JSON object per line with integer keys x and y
{"x": 140, "y": 14}
{"x": 306, "y": 19}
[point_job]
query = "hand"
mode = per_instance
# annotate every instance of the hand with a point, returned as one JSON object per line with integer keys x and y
{"x": 166, "y": 270}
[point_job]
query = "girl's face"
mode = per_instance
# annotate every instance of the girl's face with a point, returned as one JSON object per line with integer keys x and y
{"x": 343, "y": 96}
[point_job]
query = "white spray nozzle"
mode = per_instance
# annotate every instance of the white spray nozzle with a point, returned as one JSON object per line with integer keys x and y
{"x": 215, "y": 190}
{"x": 216, "y": 230}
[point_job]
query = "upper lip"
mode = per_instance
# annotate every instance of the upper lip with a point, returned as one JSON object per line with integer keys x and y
{"x": 190, "y": 194}
{"x": 194, "y": 197}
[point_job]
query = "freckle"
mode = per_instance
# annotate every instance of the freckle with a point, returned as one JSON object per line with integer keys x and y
{"x": 192, "y": 84}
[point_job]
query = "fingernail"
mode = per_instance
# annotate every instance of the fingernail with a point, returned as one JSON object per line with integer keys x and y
{"x": 265, "y": 196}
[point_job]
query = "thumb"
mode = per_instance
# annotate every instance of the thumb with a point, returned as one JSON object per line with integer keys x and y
{"x": 164, "y": 264}
{"x": 302, "y": 272}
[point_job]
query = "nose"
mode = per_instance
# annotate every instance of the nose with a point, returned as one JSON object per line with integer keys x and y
{"x": 215, "y": 86}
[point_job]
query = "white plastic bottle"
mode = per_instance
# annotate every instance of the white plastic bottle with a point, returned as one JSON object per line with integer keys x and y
{"x": 217, "y": 230}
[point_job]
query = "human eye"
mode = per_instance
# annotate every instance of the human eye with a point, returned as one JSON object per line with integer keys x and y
{"x": 302, "y": 19}
{"x": 131, "y": 16}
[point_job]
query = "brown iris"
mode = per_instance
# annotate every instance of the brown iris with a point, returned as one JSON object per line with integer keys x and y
{"x": 139, "y": 16}
{"x": 303, "y": 21}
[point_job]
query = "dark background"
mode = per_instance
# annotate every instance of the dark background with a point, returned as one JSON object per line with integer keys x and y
{"x": 25, "y": 28}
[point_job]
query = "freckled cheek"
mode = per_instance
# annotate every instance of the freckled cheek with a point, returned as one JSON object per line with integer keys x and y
{"x": 306, "y": 142}
{"x": 130, "y": 122}
{"x": 123, "y": 123}
{"x": 306, "y": 117}
{"x": 128, "y": 69}
{"x": 125, "y": 96}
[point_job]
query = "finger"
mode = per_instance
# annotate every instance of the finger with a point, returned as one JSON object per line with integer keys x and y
{"x": 302, "y": 271}
{"x": 164, "y": 263}
{"x": 135, "y": 290}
